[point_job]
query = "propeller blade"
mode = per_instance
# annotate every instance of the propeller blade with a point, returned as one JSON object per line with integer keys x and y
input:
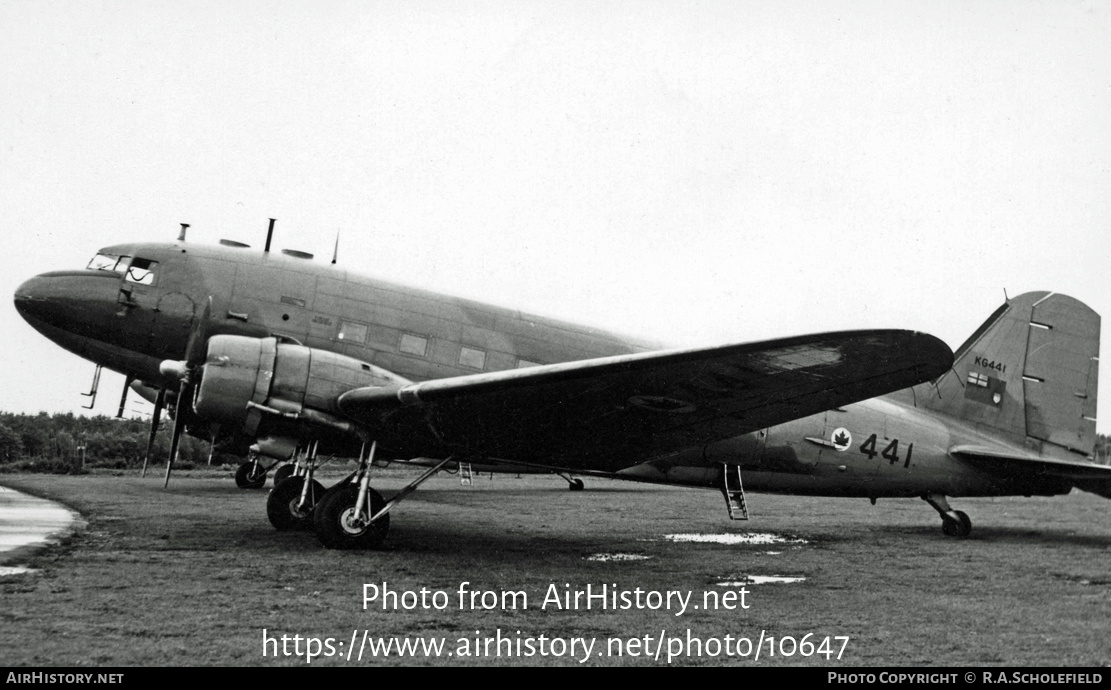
{"x": 158, "y": 403}
{"x": 198, "y": 336}
{"x": 180, "y": 413}
{"x": 123, "y": 396}
{"x": 187, "y": 371}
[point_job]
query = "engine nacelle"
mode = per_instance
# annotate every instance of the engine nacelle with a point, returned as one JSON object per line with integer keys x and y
{"x": 244, "y": 376}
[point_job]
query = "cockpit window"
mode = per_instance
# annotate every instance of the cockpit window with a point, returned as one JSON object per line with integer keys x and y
{"x": 141, "y": 271}
{"x": 108, "y": 262}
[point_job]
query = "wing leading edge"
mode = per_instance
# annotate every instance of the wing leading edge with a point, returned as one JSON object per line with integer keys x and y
{"x": 610, "y": 413}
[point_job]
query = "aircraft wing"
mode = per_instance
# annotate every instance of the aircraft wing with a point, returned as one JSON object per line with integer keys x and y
{"x": 610, "y": 413}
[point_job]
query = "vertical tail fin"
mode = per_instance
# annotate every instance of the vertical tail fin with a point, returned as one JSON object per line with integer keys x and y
{"x": 1030, "y": 370}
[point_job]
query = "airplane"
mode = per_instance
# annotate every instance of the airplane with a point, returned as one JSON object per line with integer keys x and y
{"x": 1014, "y": 415}
{"x": 290, "y": 355}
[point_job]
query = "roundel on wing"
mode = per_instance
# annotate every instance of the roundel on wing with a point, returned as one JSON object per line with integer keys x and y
{"x": 841, "y": 438}
{"x": 659, "y": 403}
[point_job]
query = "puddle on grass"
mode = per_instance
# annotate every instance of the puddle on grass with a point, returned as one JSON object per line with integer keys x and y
{"x": 730, "y": 538}
{"x": 27, "y": 522}
{"x": 760, "y": 580}
{"x": 611, "y": 557}
{"x": 8, "y": 570}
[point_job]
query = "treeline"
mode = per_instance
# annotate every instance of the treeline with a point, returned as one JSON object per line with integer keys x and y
{"x": 1103, "y": 449}
{"x": 55, "y": 442}
{"x": 67, "y": 442}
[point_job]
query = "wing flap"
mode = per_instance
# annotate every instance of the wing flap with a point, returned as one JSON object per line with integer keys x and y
{"x": 615, "y": 412}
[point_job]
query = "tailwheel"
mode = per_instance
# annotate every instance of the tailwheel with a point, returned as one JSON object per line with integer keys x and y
{"x": 285, "y": 507}
{"x": 954, "y": 523}
{"x": 339, "y": 526}
{"x": 950, "y": 527}
{"x": 573, "y": 483}
{"x": 966, "y": 524}
{"x": 250, "y": 475}
{"x": 959, "y": 527}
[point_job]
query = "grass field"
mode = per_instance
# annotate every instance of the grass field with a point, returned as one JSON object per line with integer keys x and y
{"x": 195, "y": 574}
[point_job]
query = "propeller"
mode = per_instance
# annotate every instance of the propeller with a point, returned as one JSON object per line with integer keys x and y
{"x": 183, "y": 395}
{"x": 195, "y": 348}
{"x": 159, "y": 403}
{"x": 187, "y": 372}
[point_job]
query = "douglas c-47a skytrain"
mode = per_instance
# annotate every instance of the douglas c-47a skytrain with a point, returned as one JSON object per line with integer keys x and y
{"x": 290, "y": 358}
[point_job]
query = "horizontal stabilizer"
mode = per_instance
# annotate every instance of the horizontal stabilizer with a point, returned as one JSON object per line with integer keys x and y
{"x": 1016, "y": 460}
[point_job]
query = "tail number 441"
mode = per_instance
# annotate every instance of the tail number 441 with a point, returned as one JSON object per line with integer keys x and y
{"x": 890, "y": 453}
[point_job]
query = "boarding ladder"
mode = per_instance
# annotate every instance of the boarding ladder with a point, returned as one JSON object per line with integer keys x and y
{"x": 734, "y": 492}
{"x": 465, "y": 473}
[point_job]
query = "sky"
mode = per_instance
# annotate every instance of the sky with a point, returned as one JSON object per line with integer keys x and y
{"x": 695, "y": 172}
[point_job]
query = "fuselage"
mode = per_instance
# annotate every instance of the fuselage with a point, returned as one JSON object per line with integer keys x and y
{"x": 131, "y": 319}
{"x": 136, "y": 304}
{"x": 883, "y": 447}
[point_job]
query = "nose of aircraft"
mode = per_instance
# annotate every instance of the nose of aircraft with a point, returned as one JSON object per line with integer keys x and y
{"x": 28, "y": 295}
{"x": 65, "y": 299}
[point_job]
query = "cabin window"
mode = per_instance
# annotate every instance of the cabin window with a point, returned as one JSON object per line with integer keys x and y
{"x": 525, "y": 364}
{"x": 413, "y": 345}
{"x": 141, "y": 271}
{"x": 470, "y": 357}
{"x": 352, "y": 332}
{"x": 108, "y": 262}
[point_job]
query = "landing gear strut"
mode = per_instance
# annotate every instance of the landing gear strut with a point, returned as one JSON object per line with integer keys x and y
{"x": 351, "y": 515}
{"x": 954, "y": 523}
{"x": 293, "y": 499}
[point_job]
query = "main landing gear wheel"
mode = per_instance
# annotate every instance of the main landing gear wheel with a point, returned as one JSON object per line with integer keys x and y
{"x": 338, "y": 527}
{"x": 575, "y": 484}
{"x": 283, "y": 506}
{"x": 960, "y": 527}
{"x": 283, "y": 472}
{"x": 250, "y": 476}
